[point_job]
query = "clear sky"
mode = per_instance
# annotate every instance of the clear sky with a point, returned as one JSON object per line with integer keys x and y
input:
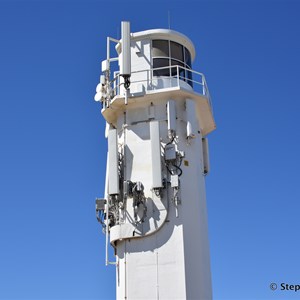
{"x": 52, "y": 145}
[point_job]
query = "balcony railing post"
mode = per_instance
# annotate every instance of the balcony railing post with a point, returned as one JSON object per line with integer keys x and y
{"x": 177, "y": 69}
{"x": 114, "y": 84}
{"x": 118, "y": 84}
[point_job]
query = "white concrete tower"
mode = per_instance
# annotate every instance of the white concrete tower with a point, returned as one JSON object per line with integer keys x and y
{"x": 158, "y": 114}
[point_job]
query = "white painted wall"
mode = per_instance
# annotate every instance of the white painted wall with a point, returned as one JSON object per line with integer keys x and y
{"x": 172, "y": 263}
{"x": 167, "y": 256}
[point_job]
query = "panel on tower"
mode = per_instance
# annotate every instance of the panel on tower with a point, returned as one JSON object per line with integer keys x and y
{"x": 190, "y": 118}
{"x": 171, "y": 118}
{"x": 206, "y": 165}
{"x": 155, "y": 155}
{"x": 113, "y": 173}
{"x": 125, "y": 67}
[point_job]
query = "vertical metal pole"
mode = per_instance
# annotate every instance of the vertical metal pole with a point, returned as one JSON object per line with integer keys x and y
{"x": 118, "y": 83}
{"x": 106, "y": 235}
{"x": 115, "y": 83}
{"x": 126, "y": 97}
{"x": 108, "y": 49}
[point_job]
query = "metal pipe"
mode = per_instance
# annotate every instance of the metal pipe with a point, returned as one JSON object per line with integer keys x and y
{"x": 106, "y": 235}
{"x": 108, "y": 48}
{"x": 126, "y": 97}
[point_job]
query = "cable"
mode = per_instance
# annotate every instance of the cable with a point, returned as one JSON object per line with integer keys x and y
{"x": 180, "y": 162}
{"x": 178, "y": 168}
{"x": 172, "y": 140}
{"x": 168, "y": 168}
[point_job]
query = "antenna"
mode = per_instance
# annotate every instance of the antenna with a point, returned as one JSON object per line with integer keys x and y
{"x": 169, "y": 19}
{"x": 125, "y": 66}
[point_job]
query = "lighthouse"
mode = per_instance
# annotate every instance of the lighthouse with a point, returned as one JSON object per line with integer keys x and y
{"x": 158, "y": 115}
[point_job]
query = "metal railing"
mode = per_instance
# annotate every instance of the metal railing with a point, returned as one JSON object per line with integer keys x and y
{"x": 177, "y": 78}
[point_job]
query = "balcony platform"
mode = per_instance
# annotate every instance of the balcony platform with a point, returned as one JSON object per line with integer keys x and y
{"x": 178, "y": 92}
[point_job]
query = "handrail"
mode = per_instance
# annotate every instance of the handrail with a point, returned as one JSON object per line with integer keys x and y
{"x": 116, "y": 82}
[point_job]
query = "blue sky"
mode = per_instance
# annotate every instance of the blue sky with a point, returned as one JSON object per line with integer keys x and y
{"x": 52, "y": 150}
